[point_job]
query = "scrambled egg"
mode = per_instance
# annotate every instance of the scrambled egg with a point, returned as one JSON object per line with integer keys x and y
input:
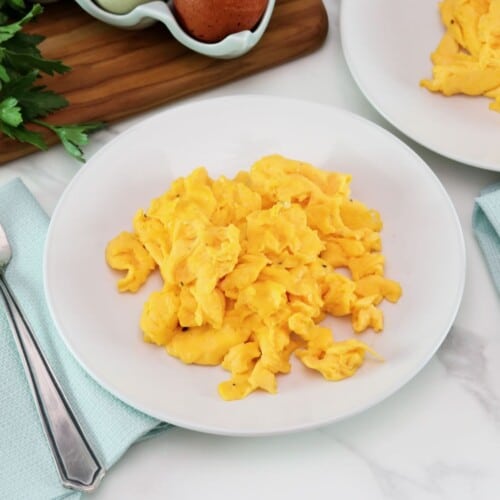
{"x": 251, "y": 266}
{"x": 467, "y": 60}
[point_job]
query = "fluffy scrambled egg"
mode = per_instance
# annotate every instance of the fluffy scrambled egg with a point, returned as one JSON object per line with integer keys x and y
{"x": 251, "y": 266}
{"x": 467, "y": 60}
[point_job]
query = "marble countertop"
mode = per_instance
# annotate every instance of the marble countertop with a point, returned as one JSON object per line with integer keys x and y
{"x": 436, "y": 438}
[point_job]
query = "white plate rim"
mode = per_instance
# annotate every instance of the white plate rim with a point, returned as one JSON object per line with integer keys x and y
{"x": 265, "y": 432}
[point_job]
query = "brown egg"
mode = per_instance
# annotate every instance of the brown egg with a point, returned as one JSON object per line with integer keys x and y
{"x": 213, "y": 20}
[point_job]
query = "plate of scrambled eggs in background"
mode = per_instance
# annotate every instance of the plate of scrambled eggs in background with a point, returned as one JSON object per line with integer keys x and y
{"x": 432, "y": 69}
{"x": 252, "y": 277}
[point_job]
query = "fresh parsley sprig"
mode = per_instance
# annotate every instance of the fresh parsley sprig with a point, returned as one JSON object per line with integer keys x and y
{"x": 22, "y": 100}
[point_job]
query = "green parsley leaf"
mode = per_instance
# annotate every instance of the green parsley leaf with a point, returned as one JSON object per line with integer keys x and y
{"x": 34, "y": 100}
{"x": 26, "y": 43}
{"x": 25, "y": 62}
{"x": 20, "y": 133}
{"x": 10, "y": 112}
{"x": 19, "y": 85}
{"x": 9, "y": 30}
{"x": 72, "y": 136}
{"x": 38, "y": 102}
{"x": 4, "y": 76}
{"x": 17, "y": 4}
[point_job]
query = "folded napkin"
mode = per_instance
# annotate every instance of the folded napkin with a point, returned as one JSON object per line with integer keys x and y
{"x": 27, "y": 469}
{"x": 486, "y": 224}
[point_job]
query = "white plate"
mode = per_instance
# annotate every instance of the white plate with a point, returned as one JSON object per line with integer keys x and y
{"x": 422, "y": 240}
{"x": 387, "y": 45}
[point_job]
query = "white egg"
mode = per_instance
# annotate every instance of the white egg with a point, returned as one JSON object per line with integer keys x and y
{"x": 120, "y": 6}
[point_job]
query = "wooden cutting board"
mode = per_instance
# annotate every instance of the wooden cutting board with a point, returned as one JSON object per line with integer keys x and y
{"x": 117, "y": 73}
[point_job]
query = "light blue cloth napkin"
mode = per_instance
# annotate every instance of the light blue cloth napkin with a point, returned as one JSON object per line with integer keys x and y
{"x": 486, "y": 224}
{"x": 27, "y": 470}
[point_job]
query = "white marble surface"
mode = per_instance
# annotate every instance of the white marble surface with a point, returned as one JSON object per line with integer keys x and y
{"x": 437, "y": 438}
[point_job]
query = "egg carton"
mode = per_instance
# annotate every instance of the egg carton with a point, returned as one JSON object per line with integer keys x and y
{"x": 145, "y": 14}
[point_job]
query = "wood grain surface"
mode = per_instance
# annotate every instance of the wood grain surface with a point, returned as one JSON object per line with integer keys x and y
{"x": 117, "y": 73}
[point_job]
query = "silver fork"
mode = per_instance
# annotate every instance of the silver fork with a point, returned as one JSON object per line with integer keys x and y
{"x": 77, "y": 464}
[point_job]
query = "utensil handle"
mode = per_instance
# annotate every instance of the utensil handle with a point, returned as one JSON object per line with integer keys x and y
{"x": 76, "y": 463}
